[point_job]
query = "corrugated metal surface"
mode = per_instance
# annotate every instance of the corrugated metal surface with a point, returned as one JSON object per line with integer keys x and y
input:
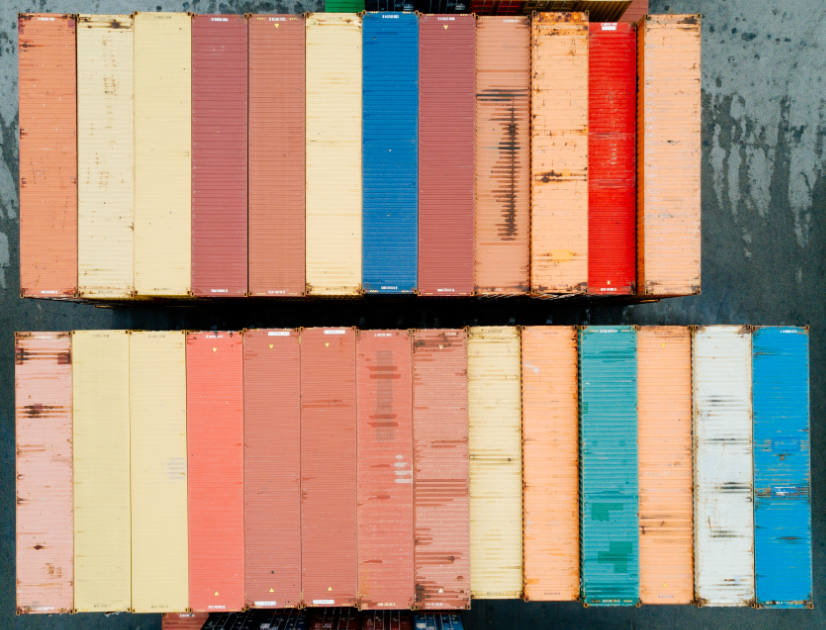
{"x": 333, "y": 154}
{"x": 636, "y": 10}
{"x": 390, "y": 152}
{"x": 272, "y": 468}
{"x": 219, "y": 155}
{"x": 343, "y": 6}
{"x": 668, "y": 146}
{"x": 447, "y": 97}
{"x": 43, "y": 434}
{"x": 215, "y": 466}
{"x": 608, "y": 474}
{"x": 503, "y": 82}
{"x": 157, "y": 372}
{"x": 782, "y": 508}
{"x": 48, "y": 154}
{"x": 387, "y": 620}
{"x": 100, "y": 449}
{"x": 163, "y": 185}
{"x": 329, "y": 566}
{"x": 612, "y": 114}
{"x": 105, "y": 99}
{"x": 183, "y": 621}
{"x": 550, "y": 458}
{"x": 559, "y": 153}
{"x": 385, "y": 469}
{"x": 495, "y": 445}
{"x": 665, "y": 476}
{"x": 723, "y": 519}
{"x": 438, "y": 622}
{"x": 276, "y": 154}
{"x": 440, "y": 434}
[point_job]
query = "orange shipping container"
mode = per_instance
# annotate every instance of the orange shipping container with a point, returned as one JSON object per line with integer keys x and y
{"x": 214, "y": 437}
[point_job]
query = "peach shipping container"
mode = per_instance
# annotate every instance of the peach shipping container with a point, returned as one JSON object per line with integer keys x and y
{"x": 272, "y": 468}
{"x": 559, "y": 153}
{"x": 440, "y": 438}
{"x": 385, "y": 469}
{"x": 503, "y": 95}
{"x": 183, "y": 621}
{"x": 215, "y": 470}
{"x": 550, "y": 443}
{"x": 48, "y": 154}
{"x": 43, "y": 433}
{"x": 668, "y": 155}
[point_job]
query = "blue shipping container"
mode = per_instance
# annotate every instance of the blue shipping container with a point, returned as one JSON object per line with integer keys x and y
{"x": 609, "y": 494}
{"x": 782, "y": 503}
{"x": 390, "y": 119}
{"x": 438, "y": 621}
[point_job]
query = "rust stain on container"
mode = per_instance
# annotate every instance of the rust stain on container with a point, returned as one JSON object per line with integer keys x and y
{"x": 48, "y": 154}
{"x": 183, "y": 621}
{"x": 441, "y": 495}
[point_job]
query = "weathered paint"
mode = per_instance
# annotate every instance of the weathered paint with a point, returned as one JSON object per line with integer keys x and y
{"x": 183, "y": 621}
{"x": 495, "y": 446}
{"x": 608, "y": 472}
{"x": 436, "y": 621}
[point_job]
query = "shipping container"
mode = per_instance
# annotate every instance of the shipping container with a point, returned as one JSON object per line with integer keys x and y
{"x": 723, "y": 515}
{"x": 559, "y": 153}
{"x": 550, "y": 456}
{"x": 334, "y": 619}
{"x": 272, "y": 468}
{"x": 157, "y": 398}
{"x": 329, "y": 557}
{"x": 333, "y": 172}
{"x": 503, "y": 85}
{"x": 43, "y": 435}
{"x": 436, "y": 621}
{"x": 447, "y": 95}
{"x": 387, "y": 620}
{"x": 495, "y": 445}
{"x": 279, "y": 619}
{"x": 183, "y": 621}
{"x": 48, "y": 154}
{"x": 635, "y": 11}
{"x": 163, "y": 183}
{"x": 598, "y": 10}
{"x": 440, "y": 439}
{"x": 390, "y": 152}
{"x": 219, "y": 155}
{"x": 276, "y": 155}
{"x": 100, "y": 450}
{"x": 608, "y": 472}
{"x": 105, "y": 187}
{"x": 215, "y": 469}
{"x": 782, "y": 504}
{"x": 384, "y": 384}
{"x": 668, "y": 149}
{"x": 343, "y": 6}
{"x": 665, "y": 476}
{"x": 612, "y": 122}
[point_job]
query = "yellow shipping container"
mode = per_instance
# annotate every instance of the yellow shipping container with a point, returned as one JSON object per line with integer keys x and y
{"x": 159, "y": 490}
{"x": 163, "y": 178}
{"x": 100, "y": 429}
{"x": 495, "y": 444}
{"x": 333, "y": 154}
{"x": 105, "y": 156}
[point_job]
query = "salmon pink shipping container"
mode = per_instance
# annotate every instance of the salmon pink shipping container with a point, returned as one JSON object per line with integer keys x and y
{"x": 48, "y": 155}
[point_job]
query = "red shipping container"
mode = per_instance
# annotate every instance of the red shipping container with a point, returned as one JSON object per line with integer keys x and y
{"x": 276, "y": 155}
{"x": 215, "y": 466}
{"x": 183, "y": 621}
{"x": 48, "y": 155}
{"x": 329, "y": 563}
{"x": 612, "y": 203}
{"x": 440, "y": 442}
{"x": 219, "y": 155}
{"x": 385, "y": 469}
{"x": 447, "y": 98}
{"x": 272, "y": 468}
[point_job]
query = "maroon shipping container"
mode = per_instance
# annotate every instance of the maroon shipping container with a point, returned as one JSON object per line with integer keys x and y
{"x": 447, "y": 101}
{"x": 329, "y": 564}
{"x": 636, "y": 10}
{"x": 183, "y": 621}
{"x": 387, "y": 620}
{"x": 276, "y": 155}
{"x": 385, "y": 469}
{"x": 219, "y": 155}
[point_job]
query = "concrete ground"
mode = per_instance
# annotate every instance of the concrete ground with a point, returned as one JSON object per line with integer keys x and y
{"x": 764, "y": 242}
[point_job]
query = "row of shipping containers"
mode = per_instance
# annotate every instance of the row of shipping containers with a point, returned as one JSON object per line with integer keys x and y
{"x": 598, "y": 10}
{"x": 339, "y": 154}
{"x": 166, "y": 471}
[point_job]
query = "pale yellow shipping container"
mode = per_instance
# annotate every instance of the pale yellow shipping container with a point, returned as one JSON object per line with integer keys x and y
{"x": 159, "y": 488}
{"x": 163, "y": 143}
{"x": 495, "y": 445}
{"x": 333, "y": 154}
{"x": 105, "y": 150}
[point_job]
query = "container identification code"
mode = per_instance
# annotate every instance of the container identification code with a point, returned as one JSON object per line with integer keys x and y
{"x": 609, "y": 26}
